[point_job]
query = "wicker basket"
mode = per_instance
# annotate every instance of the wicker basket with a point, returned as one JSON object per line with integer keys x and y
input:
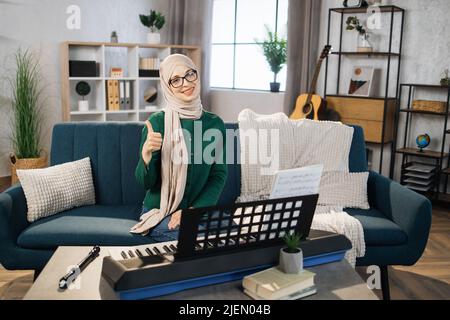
{"x": 430, "y": 106}
{"x": 24, "y": 164}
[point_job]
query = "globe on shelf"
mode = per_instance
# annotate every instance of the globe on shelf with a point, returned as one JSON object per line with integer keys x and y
{"x": 423, "y": 141}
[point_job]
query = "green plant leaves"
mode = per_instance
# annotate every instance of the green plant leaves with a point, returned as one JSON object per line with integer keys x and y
{"x": 275, "y": 51}
{"x": 26, "y": 93}
{"x": 155, "y": 20}
{"x": 292, "y": 241}
{"x": 353, "y": 23}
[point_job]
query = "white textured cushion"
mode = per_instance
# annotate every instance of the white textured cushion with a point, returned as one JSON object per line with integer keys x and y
{"x": 344, "y": 190}
{"x": 62, "y": 187}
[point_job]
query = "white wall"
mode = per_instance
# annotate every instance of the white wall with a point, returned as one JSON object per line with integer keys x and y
{"x": 41, "y": 25}
{"x": 229, "y": 103}
{"x": 426, "y": 48}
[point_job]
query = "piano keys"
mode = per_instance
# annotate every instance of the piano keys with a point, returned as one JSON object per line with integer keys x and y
{"x": 148, "y": 271}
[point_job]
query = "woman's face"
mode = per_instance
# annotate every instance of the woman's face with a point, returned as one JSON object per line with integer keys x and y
{"x": 186, "y": 92}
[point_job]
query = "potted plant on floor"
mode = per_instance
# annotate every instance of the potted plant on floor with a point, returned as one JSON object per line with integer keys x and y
{"x": 26, "y": 110}
{"x": 155, "y": 21}
{"x": 291, "y": 256}
{"x": 275, "y": 51}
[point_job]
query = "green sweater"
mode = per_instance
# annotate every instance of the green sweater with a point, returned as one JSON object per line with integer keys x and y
{"x": 205, "y": 181}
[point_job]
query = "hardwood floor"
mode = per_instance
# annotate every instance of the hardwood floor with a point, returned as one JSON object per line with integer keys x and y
{"x": 429, "y": 279}
{"x": 15, "y": 284}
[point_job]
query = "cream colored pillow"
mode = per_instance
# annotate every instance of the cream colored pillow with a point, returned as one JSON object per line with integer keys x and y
{"x": 344, "y": 190}
{"x": 55, "y": 189}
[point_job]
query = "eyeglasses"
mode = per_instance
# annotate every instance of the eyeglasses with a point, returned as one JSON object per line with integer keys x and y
{"x": 178, "y": 82}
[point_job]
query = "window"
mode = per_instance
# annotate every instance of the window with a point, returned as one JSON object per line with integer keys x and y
{"x": 237, "y": 62}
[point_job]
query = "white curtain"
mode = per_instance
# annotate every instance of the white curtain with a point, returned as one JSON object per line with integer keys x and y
{"x": 303, "y": 51}
{"x": 190, "y": 23}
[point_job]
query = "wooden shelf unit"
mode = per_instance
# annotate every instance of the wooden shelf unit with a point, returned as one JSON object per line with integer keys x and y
{"x": 438, "y": 157}
{"x": 424, "y": 153}
{"x": 369, "y": 54}
{"x": 376, "y": 115}
{"x": 384, "y": 9}
{"x": 107, "y": 55}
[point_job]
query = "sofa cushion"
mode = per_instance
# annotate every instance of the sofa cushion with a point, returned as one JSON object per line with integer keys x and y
{"x": 85, "y": 226}
{"x": 58, "y": 188}
{"x": 378, "y": 230}
{"x": 114, "y": 152}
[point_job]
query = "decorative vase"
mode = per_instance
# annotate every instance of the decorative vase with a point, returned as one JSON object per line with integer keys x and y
{"x": 154, "y": 38}
{"x": 364, "y": 44}
{"x": 114, "y": 37}
{"x": 24, "y": 164}
{"x": 291, "y": 263}
{"x": 275, "y": 87}
{"x": 83, "y": 106}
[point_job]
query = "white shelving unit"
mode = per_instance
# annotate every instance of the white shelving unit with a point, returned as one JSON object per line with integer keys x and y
{"x": 107, "y": 55}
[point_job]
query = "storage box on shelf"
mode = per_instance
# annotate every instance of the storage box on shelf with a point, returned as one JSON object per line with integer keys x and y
{"x": 368, "y": 113}
{"x": 437, "y": 159}
{"x": 429, "y": 106}
{"x": 139, "y": 77}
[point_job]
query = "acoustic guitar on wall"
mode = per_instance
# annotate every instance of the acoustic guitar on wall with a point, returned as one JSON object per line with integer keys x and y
{"x": 310, "y": 105}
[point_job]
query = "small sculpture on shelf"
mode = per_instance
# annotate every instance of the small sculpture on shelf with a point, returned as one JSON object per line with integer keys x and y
{"x": 355, "y": 4}
{"x": 445, "y": 81}
{"x": 83, "y": 89}
{"x": 150, "y": 94}
{"x": 114, "y": 37}
{"x": 423, "y": 141}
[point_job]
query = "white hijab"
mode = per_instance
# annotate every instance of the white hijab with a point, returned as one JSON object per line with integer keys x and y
{"x": 173, "y": 173}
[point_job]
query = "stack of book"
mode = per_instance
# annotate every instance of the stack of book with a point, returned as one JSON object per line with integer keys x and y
{"x": 273, "y": 284}
{"x": 149, "y": 67}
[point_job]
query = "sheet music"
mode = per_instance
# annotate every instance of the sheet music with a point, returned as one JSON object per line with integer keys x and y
{"x": 297, "y": 182}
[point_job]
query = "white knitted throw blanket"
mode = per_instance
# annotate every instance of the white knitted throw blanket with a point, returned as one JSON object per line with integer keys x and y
{"x": 288, "y": 144}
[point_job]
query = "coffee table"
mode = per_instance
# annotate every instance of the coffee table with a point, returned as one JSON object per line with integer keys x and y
{"x": 335, "y": 281}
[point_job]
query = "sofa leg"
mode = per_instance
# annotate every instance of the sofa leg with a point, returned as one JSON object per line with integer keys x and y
{"x": 36, "y": 274}
{"x": 385, "y": 283}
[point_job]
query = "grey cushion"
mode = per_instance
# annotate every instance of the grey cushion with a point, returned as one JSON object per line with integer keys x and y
{"x": 86, "y": 226}
{"x": 378, "y": 230}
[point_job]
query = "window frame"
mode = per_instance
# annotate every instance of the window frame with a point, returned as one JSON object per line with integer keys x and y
{"x": 235, "y": 44}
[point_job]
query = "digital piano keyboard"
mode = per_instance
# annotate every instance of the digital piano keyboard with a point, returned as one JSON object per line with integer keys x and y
{"x": 220, "y": 252}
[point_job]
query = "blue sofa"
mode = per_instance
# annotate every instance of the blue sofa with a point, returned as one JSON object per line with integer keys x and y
{"x": 396, "y": 227}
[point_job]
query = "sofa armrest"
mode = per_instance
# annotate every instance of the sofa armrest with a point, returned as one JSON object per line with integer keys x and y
{"x": 13, "y": 216}
{"x": 411, "y": 211}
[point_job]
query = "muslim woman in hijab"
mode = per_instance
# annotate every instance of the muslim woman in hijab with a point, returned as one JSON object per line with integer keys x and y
{"x": 172, "y": 166}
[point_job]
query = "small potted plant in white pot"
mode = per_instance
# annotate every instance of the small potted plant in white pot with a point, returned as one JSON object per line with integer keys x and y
{"x": 291, "y": 256}
{"x": 155, "y": 21}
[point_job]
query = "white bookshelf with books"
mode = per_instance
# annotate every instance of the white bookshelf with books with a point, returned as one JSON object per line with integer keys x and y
{"x": 122, "y": 79}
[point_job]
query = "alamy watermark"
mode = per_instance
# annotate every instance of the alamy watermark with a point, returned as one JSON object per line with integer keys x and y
{"x": 259, "y": 147}
{"x": 73, "y": 21}
{"x": 374, "y": 279}
{"x": 374, "y": 18}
